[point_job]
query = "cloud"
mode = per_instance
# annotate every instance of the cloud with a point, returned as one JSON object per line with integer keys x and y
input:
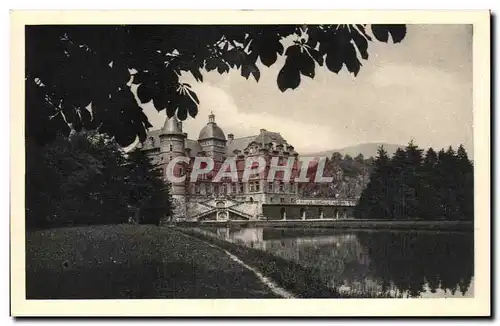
{"x": 420, "y": 89}
{"x": 306, "y": 137}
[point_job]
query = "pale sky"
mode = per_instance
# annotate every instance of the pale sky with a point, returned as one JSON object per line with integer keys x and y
{"x": 419, "y": 89}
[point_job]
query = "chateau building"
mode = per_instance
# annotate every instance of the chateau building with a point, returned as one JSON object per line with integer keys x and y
{"x": 203, "y": 197}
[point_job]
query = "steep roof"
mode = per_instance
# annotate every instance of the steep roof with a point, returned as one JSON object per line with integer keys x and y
{"x": 265, "y": 137}
{"x": 193, "y": 145}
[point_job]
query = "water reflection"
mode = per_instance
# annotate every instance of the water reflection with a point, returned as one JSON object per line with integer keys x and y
{"x": 412, "y": 264}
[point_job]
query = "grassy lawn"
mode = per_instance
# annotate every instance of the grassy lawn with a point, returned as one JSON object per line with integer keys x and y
{"x": 128, "y": 261}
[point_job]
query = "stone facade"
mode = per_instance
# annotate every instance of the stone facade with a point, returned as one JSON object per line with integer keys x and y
{"x": 199, "y": 198}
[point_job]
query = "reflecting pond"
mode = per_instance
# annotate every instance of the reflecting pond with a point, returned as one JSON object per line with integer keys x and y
{"x": 412, "y": 264}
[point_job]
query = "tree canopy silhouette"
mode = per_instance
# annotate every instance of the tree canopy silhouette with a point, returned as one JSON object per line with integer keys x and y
{"x": 80, "y": 76}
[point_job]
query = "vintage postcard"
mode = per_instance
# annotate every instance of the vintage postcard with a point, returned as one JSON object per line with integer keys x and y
{"x": 320, "y": 163}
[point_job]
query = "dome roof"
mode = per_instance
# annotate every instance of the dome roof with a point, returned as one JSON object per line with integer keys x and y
{"x": 211, "y": 130}
{"x": 172, "y": 126}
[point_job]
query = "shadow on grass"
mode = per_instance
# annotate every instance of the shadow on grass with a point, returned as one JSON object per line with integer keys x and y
{"x": 150, "y": 280}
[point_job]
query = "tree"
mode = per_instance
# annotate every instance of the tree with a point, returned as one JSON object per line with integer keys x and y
{"x": 413, "y": 179}
{"x": 375, "y": 202}
{"x": 80, "y": 76}
{"x": 86, "y": 179}
{"x": 464, "y": 173}
{"x": 360, "y": 158}
{"x": 336, "y": 156}
{"x": 430, "y": 182}
{"x": 149, "y": 194}
{"x": 398, "y": 189}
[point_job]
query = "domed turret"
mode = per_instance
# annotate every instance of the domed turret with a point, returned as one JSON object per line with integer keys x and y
{"x": 172, "y": 126}
{"x": 212, "y": 139}
{"x": 211, "y": 130}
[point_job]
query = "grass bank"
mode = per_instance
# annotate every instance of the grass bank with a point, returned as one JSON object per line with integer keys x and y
{"x": 131, "y": 262}
{"x": 303, "y": 282}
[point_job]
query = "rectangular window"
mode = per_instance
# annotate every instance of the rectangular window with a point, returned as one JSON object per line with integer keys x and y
{"x": 251, "y": 187}
{"x": 242, "y": 189}
{"x": 282, "y": 200}
{"x": 233, "y": 188}
{"x": 197, "y": 188}
{"x": 270, "y": 187}
{"x": 257, "y": 186}
{"x": 282, "y": 186}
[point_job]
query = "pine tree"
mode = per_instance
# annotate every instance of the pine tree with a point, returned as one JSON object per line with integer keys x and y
{"x": 397, "y": 184}
{"x": 428, "y": 198}
{"x": 360, "y": 158}
{"x": 374, "y": 202}
{"x": 149, "y": 194}
{"x": 465, "y": 184}
{"x": 413, "y": 178}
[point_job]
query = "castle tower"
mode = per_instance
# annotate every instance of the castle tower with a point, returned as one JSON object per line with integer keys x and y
{"x": 172, "y": 144}
{"x": 212, "y": 139}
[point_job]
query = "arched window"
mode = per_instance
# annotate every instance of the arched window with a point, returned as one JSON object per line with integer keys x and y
{"x": 251, "y": 199}
{"x": 282, "y": 212}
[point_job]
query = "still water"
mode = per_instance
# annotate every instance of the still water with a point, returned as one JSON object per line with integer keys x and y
{"x": 409, "y": 264}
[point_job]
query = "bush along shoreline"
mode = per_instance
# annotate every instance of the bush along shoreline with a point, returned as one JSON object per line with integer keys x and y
{"x": 302, "y": 282}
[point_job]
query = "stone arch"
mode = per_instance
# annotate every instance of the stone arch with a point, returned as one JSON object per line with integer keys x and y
{"x": 302, "y": 213}
{"x": 283, "y": 213}
{"x": 336, "y": 213}
{"x": 251, "y": 200}
{"x": 320, "y": 212}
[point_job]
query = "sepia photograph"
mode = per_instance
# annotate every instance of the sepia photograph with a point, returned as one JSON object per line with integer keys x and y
{"x": 201, "y": 158}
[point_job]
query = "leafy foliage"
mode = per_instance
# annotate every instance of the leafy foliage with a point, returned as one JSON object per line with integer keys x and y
{"x": 411, "y": 185}
{"x": 81, "y": 76}
{"x": 349, "y": 178}
{"x": 86, "y": 180}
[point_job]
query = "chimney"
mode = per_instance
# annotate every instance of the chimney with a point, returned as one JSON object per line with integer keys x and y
{"x": 230, "y": 137}
{"x": 263, "y": 131}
